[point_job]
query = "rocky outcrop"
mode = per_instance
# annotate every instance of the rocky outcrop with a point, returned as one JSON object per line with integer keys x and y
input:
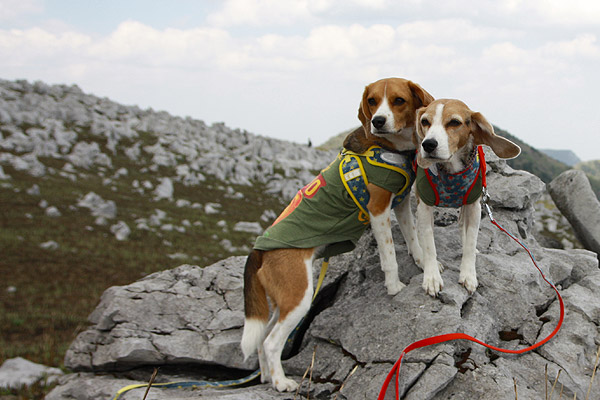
{"x": 189, "y": 321}
{"x": 574, "y": 197}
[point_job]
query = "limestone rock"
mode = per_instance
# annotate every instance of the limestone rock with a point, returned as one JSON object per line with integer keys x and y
{"x": 98, "y": 206}
{"x": 573, "y": 195}
{"x": 157, "y": 320}
{"x": 3, "y": 175}
{"x": 121, "y": 230}
{"x": 17, "y": 372}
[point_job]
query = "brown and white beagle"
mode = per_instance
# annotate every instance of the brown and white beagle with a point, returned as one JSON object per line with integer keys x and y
{"x": 387, "y": 113}
{"x": 449, "y": 135}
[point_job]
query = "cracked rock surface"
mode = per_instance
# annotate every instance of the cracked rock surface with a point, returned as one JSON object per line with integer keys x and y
{"x": 190, "y": 318}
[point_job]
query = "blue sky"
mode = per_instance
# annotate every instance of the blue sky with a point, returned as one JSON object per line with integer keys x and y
{"x": 295, "y": 69}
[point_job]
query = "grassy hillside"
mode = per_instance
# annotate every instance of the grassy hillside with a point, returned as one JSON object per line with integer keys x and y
{"x": 592, "y": 170}
{"x": 533, "y": 160}
{"x": 47, "y": 294}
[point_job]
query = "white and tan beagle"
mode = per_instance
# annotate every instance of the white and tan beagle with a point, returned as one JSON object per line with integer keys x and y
{"x": 284, "y": 273}
{"x": 451, "y": 168}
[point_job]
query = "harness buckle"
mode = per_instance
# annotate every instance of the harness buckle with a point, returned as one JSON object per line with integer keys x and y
{"x": 485, "y": 199}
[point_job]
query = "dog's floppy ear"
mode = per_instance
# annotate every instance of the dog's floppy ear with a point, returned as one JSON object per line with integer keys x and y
{"x": 420, "y": 95}
{"x": 364, "y": 113}
{"x": 419, "y": 134}
{"x": 484, "y": 134}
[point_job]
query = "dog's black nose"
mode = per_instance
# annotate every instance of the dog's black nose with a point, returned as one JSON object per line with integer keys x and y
{"x": 429, "y": 145}
{"x": 378, "y": 121}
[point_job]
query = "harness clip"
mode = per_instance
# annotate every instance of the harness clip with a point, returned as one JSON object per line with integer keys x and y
{"x": 484, "y": 199}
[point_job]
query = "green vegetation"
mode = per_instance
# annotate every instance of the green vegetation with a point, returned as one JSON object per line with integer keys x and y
{"x": 592, "y": 170}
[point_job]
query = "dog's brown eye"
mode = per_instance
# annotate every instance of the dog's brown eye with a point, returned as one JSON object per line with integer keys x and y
{"x": 398, "y": 101}
{"x": 372, "y": 101}
{"x": 425, "y": 122}
{"x": 454, "y": 123}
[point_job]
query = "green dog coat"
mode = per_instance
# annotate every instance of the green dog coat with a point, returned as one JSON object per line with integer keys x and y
{"x": 331, "y": 210}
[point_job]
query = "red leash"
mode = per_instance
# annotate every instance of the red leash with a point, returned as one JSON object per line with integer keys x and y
{"x": 455, "y": 336}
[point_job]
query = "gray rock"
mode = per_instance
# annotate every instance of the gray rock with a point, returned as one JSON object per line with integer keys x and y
{"x": 164, "y": 190}
{"x": 120, "y": 230}
{"x": 251, "y": 227}
{"x": 29, "y": 163}
{"x": 49, "y": 245}
{"x": 52, "y": 212}
{"x": 86, "y": 155}
{"x": 33, "y": 190}
{"x": 98, "y": 206}
{"x": 156, "y": 321}
{"x": 17, "y": 372}
{"x": 3, "y": 175}
{"x": 90, "y": 386}
{"x": 573, "y": 195}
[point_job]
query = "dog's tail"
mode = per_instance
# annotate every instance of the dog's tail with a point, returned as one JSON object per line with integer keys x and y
{"x": 255, "y": 305}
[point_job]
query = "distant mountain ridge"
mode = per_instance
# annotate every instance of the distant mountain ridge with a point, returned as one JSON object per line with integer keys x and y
{"x": 565, "y": 156}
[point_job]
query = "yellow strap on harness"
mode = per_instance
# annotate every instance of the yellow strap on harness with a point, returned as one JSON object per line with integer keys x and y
{"x": 324, "y": 267}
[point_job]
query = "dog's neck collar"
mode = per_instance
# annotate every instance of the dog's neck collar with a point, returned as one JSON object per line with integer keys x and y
{"x": 449, "y": 168}
{"x": 386, "y": 147}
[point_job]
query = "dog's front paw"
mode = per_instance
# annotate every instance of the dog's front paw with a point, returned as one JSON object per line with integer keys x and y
{"x": 285, "y": 384}
{"x": 432, "y": 284}
{"x": 469, "y": 281}
{"x": 394, "y": 288}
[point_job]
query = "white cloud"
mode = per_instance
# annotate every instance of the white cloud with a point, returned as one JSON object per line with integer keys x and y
{"x": 136, "y": 43}
{"x": 260, "y": 12}
{"x": 572, "y": 12}
{"x": 34, "y": 44}
{"x": 455, "y": 30}
{"x": 584, "y": 45}
{"x": 11, "y": 9}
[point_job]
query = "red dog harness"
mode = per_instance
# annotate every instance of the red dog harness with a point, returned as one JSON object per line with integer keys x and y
{"x": 438, "y": 187}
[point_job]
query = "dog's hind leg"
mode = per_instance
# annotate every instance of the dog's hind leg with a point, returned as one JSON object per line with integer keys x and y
{"x": 265, "y": 375}
{"x": 256, "y": 307}
{"x": 287, "y": 275}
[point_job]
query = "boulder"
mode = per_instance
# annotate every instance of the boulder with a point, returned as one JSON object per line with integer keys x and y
{"x": 3, "y": 175}
{"x": 98, "y": 206}
{"x": 17, "y": 372}
{"x": 190, "y": 318}
{"x": 164, "y": 190}
{"x": 574, "y": 197}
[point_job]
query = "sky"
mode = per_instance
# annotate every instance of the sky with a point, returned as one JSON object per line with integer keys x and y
{"x": 296, "y": 69}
